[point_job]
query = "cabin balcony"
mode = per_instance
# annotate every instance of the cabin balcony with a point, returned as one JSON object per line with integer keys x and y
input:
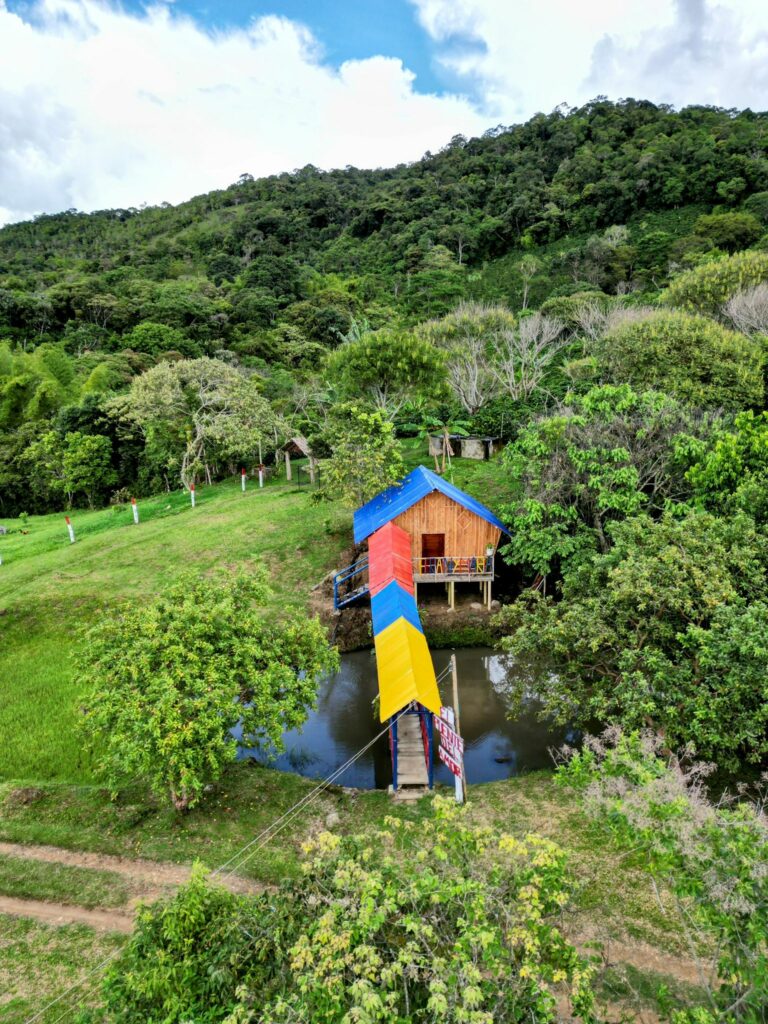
{"x": 453, "y": 569}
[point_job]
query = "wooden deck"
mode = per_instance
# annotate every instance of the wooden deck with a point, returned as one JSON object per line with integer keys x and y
{"x": 411, "y": 762}
{"x": 457, "y": 577}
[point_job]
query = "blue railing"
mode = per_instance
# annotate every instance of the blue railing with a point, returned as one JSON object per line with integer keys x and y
{"x": 345, "y": 595}
{"x": 454, "y": 565}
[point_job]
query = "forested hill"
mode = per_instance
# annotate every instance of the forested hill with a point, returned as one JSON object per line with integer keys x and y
{"x": 271, "y": 274}
{"x": 233, "y": 261}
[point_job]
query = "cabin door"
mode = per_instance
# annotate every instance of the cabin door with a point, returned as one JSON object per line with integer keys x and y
{"x": 432, "y": 545}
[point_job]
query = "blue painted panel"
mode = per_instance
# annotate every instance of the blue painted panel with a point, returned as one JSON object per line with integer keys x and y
{"x": 399, "y": 498}
{"x": 393, "y": 603}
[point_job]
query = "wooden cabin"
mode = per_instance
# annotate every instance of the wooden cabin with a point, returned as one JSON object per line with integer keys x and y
{"x": 453, "y": 538}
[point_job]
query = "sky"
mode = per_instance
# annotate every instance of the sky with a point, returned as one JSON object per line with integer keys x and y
{"x": 106, "y": 104}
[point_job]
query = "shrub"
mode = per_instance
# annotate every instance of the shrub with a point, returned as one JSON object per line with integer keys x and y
{"x": 706, "y": 288}
{"x": 713, "y": 858}
{"x": 691, "y": 357}
{"x": 423, "y": 920}
{"x": 729, "y": 231}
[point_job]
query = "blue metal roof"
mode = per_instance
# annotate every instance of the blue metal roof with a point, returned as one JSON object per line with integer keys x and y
{"x": 393, "y": 603}
{"x": 400, "y": 497}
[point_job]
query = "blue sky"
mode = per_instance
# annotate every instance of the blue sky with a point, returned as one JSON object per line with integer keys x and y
{"x": 346, "y": 29}
{"x": 106, "y": 103}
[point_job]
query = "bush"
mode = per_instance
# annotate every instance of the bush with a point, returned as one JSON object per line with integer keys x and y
{"x": 423, "y": 920}
{"x": 729, "y": 231}
{"x": 713, "y": 858}
{"x": 189, "y": 955}
{"x": 708, "y": 287}
{"x": 691, "y": 357}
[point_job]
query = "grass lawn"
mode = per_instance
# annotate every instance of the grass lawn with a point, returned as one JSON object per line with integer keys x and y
{"x": 38, "y": 963}
{"x": 61, "y": 883}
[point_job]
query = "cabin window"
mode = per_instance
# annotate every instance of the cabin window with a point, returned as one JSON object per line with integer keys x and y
{"x": 432, "y": 545}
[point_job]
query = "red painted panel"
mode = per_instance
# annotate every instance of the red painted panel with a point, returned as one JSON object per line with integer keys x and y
{"x": 389, "y": 558}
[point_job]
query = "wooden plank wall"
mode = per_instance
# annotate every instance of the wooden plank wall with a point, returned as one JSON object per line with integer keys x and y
{"x": 466, "y": 534}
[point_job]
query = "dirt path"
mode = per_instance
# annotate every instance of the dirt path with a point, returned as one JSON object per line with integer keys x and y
{"x": 145, "y": 874}
{"x": 148, "y": 879}
{"x": 62, "y": 913}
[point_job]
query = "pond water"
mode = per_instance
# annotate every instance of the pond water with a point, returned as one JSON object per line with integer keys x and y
{"x": 344, "y": 721}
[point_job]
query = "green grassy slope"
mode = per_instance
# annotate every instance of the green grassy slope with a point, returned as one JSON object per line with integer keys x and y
{"x": 50, "y": 589}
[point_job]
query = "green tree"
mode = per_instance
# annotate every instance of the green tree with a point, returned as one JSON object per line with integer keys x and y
{"x": 700, "y": 362}
{"x": 169, "y": 680}
{"x": 87, "y": 465}
{"x": 729, "y": 231}
{"x": 728, "y": 472}
{"x": 365, "y": 455}
{"x": 606, "y": 455}
{"x": 668, "y": 628}
{"x": 157, "y": 339}
{"x": 707, "y": 288}
{"x": 198, "y": 410}
{"x": 389, "y": 367}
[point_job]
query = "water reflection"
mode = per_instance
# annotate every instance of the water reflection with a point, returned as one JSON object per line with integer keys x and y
{"x": 344, "y": 721}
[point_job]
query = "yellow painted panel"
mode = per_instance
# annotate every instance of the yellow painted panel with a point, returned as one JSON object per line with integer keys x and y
{"x": 405, "y": 670}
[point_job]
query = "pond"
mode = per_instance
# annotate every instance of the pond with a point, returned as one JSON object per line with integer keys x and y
{"x": 344, "y": 721}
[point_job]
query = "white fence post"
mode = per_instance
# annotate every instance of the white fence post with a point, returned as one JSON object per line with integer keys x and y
{"x": 192, "y": 494}
{"x": 135, "y": 509}
{"x": 70, "y": 530}
{"x": 242, "y": 479}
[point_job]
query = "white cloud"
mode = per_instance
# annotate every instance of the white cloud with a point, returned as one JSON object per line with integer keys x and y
{"x": 100, "y": 108}
{"x": 524, "y": 57}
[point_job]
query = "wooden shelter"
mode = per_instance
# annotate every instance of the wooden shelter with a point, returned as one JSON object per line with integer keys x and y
{"x": 299, "y": 447}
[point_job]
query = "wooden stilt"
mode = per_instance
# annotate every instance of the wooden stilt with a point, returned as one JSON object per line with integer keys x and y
{"x": 415, "y": 591}
{"x": 287, "y": 466}
{"x": 452, "y": 594}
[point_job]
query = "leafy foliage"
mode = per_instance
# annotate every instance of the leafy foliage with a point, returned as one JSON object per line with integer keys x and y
{"x": 711, "y": 857}
{"x": 668, "y": 628}
{"x": 413, "y": 922}
{"x": 691, "y": 357}
{"x": 606, "y": 455}
{"x": 365, "y": 456}
{"x": 170, "y": 679}
{"x": 390, "y": 367}
{"x": 708, "y": 287}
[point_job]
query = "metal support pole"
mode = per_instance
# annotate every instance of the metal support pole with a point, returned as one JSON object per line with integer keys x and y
{"x": 461, "y": 782}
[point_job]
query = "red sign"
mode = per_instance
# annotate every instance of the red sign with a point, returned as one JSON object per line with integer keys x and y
{"x": 451, "y": 762}
{"x": 449, "y": 738}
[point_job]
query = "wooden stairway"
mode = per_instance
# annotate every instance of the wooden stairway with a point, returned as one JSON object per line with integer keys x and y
{"x": 411, "y": 761}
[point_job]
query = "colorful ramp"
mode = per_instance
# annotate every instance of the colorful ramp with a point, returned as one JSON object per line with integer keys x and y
{"x": 404, "y": 663}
